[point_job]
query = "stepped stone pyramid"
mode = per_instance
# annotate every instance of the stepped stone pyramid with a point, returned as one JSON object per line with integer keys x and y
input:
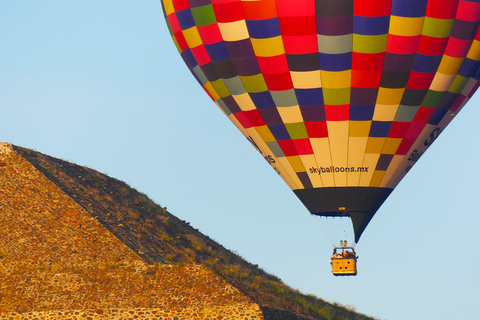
{"x": 76, "y": 244}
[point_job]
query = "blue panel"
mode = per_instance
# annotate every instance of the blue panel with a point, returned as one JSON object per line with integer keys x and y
{"x": 370, "y": 25}
{"x": 217, "y": 51}
{"x": 361, "y": 112}
{"x": 426, "y": 64}
{"x": 469, "y": 68}
{"x": 309, "y": 97}
{"x": 380, "y": 128}
{"x": 261, "y": 29}
{"x": 437, "y": 116}
{"x": 335, "y": 62}
{"x": 263, "y": 100}
{"x": 409, "y": 8}
{"x": 185, "y": 19}
{"x": 189, "y": 58}
{"x": 279, "y": 132}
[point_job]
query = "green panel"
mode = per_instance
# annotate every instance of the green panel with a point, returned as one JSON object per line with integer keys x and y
{"x": 203, "y": 16}
{"x": 220, "y": 88}
{"x": 406, "y": 113}
{"x": 334, "y": 44}
{"x": 458, "y": 84}
{"x": 433, "y": 99}
{"x": 369, "y": 44}
{"x": 336, "y": 96}
{"x": 235, "y": 85}
{"x": 285, "y": 98}
{"x": 200, "y": 74}
{"x": 276, "y": 150}
{"x": 438, "y": 28}
{"x": 297, "y": 130}
{"x": 254, "y": 83}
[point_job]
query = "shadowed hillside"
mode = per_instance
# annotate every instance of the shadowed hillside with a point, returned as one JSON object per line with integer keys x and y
{"x": 154, "y": 236}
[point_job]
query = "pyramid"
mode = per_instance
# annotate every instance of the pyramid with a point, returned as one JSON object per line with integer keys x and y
{"x": 76, "y": 244}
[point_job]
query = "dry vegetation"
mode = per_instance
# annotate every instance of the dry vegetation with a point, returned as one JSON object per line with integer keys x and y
{"x": 159, "y": 237}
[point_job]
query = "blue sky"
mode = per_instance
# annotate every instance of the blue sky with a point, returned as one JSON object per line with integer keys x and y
{"x": 100, "y": 83}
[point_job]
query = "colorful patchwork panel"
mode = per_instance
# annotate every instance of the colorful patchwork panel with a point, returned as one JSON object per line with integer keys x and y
{"x": 333, "y": 93}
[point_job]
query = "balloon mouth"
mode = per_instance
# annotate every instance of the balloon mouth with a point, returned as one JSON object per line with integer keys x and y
{"x": 360, "y": 203}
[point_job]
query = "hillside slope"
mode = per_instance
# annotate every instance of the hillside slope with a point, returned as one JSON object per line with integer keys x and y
{"x": 75, "y": 239}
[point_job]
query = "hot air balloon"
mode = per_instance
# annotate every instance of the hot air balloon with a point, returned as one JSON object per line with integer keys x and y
{"x": 341, "y": 97}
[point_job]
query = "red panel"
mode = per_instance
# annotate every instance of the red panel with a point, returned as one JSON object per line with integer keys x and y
{"x": 180, "y": 5}
{"x": 288, "y": 147}
{"x": 296, "y": 8}
{"x": 276, "y": 64}
{"x": 300, "y": 44}
{"x": 458, "y": 48}
{"x": 423, "y": 114}
{"x": 420, "y": 80}
{"x": 254, "y": 118}
{"x": 182, "y": 43}
{"x": 317, "y": 129}
{"x": 458, "y": 102}
{"x": 242, "y": 119}
{"x": 173, "y": 22}
{"x": 337, "y": 112}
{"x": 468, "y": 11}
{"x": 398, "y": 129}
{"x": 367, "y": 61}
{"x": 303, "y": 146}
{"x": 404, "y": 146}
{"x": 402, "y": 45}
{"x": 201, "y": 55}
{"x": 295, "y": 26}
{"x": 228, "y": 12}
{"x": 432, "y": 46}
{"x": 414, "y": 130}
{"x": 366, "y": 78}
{"x": 372, "y": 8}
{"x": 278, "y": 81}
{"x": 210, "y": 34}
{"x": 441, "y": 9}
{"x": 259, "y": 10}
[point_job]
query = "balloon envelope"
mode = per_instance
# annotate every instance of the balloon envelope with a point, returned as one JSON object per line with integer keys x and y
{"x": 341, "y": 97}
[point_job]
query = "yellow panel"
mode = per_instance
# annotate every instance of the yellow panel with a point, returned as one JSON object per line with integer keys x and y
{"x": 296, "y": 164}
{"x": 385, "y": 112}
{"x": 192, "y": 37}
{"x": 441, "y": 82}
{"x": 306, "y": 80}
{"x": 336, "y": 79}
{"x": 387, "y": 96}
{"x": 369, "y": 163}
{"x": 234, "y": 31}
{"x": 338, "y": 136}
{"x": 375, "y": 145}
{"x": 321, "y": 149}
{"x": 356, "y": 153}
{"x": 359, "y": 128}
{"x": 474, "y": 52}
{"x": 268, "y": 47}
{"x": 377, "y": 178}
{"x": 397, "y": 159}
{"x": 265, "y": 133}
{"x": 310, "y": 164}
{"x": 449, "y": 65}
{"x": 208, "y": 86}
{"x": 404, "y": 26}
{"x": 391, "y": 145}
{"x": 168, "y": 5}
{"x": 244, "y": 101}
{"x": 290, "y": 114}
{"x": 288, "y": 171}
